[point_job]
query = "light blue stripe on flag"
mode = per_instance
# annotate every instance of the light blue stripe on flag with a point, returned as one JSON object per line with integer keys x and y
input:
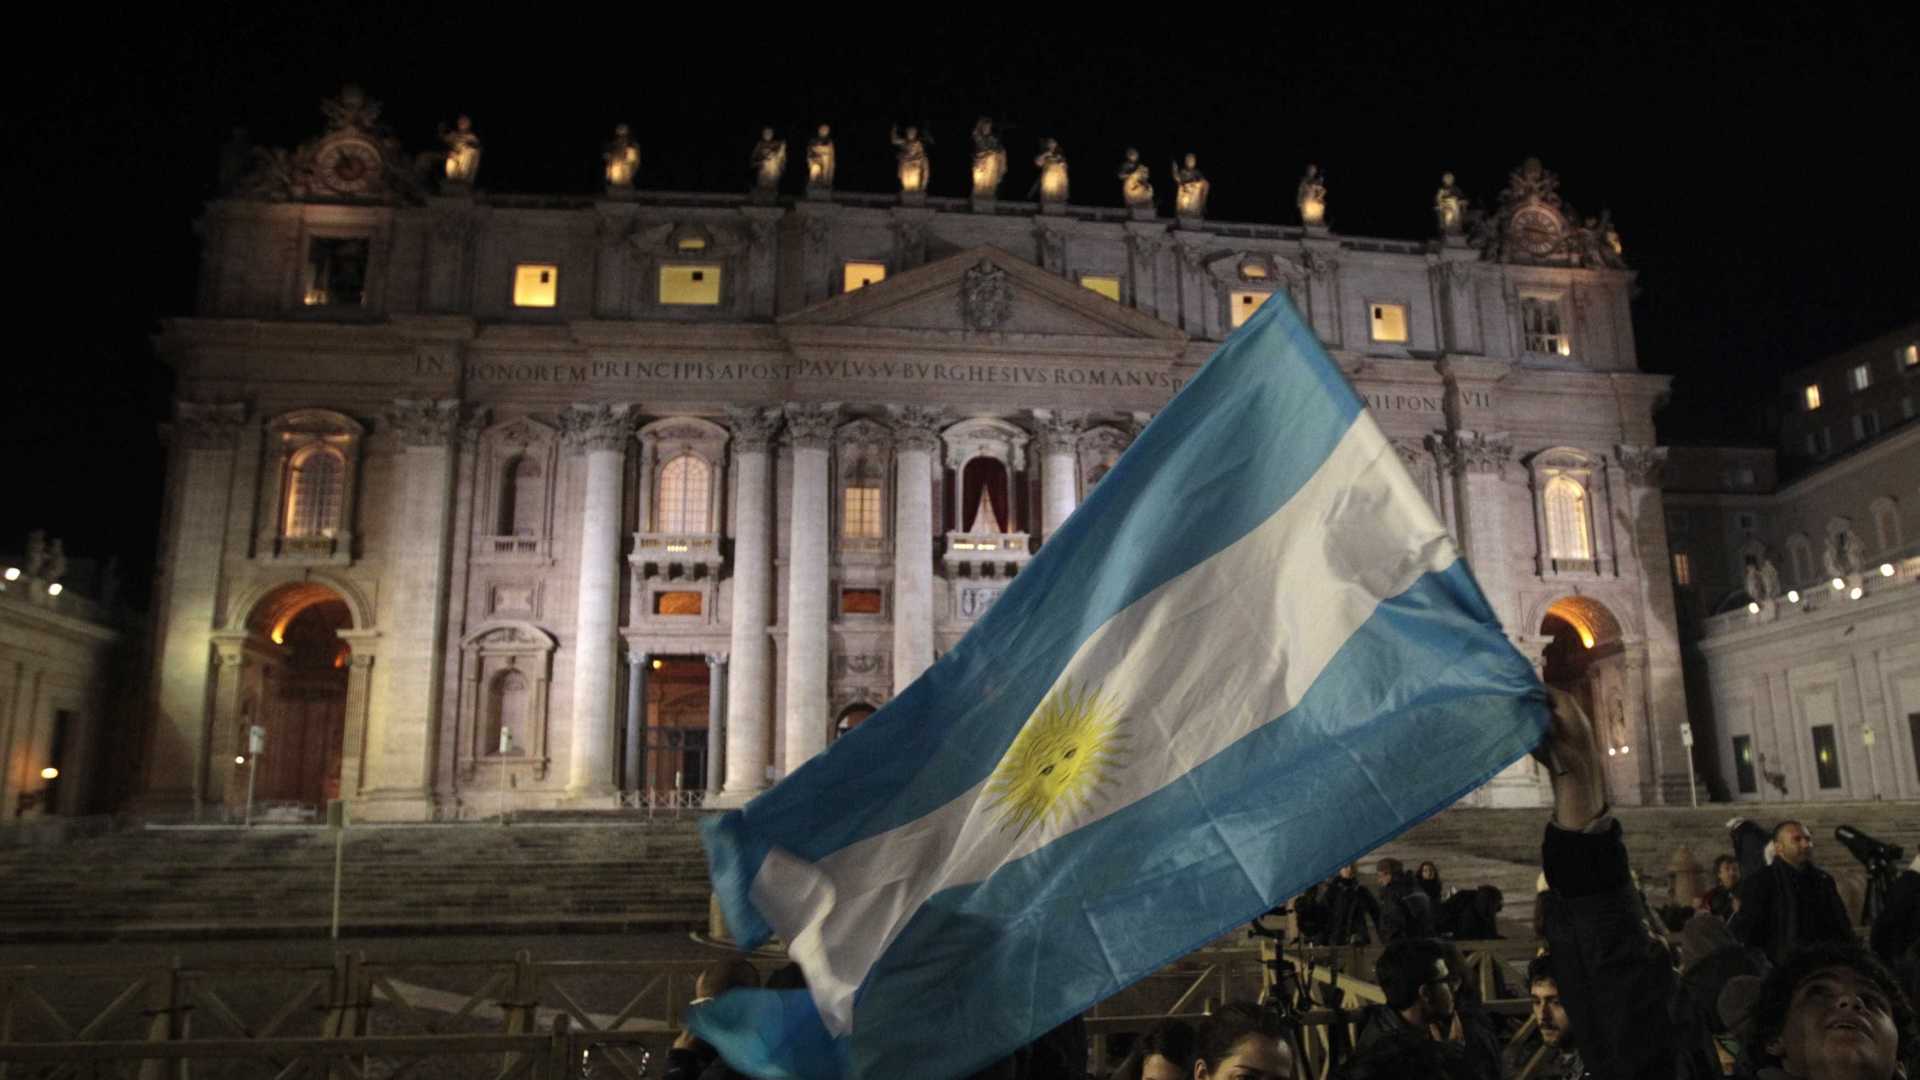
{"x": 1267, "y": 654}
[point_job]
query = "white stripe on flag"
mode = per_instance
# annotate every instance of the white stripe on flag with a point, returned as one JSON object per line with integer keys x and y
{"x": 1238, "y": 639}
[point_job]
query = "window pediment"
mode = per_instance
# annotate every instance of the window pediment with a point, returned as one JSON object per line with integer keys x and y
{"x": 986, "y": 437}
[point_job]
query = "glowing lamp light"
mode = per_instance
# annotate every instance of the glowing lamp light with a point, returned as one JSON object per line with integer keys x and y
{"x": 1586, "y": 637}
{"x": 1793, "y": 596}
{"x": 1839, "y": 584}
{"x": 1856, "y": 593}
{"x": 56, "y": 589}
{"x": 1626, "y": 749}
{"x": 658, "y": 664}
{"x": 1886, "y": 569}
{"x": 1753, "y": 608}
{"x": 49, "y": 773}
{"x": 13, "y": 573}
{"x": 1611, "y": 751}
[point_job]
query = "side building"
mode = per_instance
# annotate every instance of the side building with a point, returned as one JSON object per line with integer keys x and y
{"x": 1796, "y": 571}
{"x": 481, "y": 500}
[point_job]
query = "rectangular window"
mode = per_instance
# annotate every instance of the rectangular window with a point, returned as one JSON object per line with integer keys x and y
{"x": 1105, "y": 284}
{"x": 1244, "y": 302}
{"x": 1743, "y": 476}
{"x": 1746, "y": 522}
{"x": 1811, "y": 396}
{"x": 1910, "y": 357}
{"x": 1389, "y": 323}
{"x": 1813, "y": 445}
{"x": 859, "y": 275}
{"x": 861, "y": 602}
{"x": 1743, "y": 765}
{"x": 1906, "y": 408}
{"x": 336, "y": 271}
{"x": 1544, "y": 326}
{"x": 690, "y": 284}
{"x": 535, "y": 284}
{"x": 1913, "y": 738}
{"x": 1682, "y": 568}
{"x": 1826, "y": 756}
{"x": 1860, "y": 377}
{"x": 676, "y": 603}
{"x": 1859, "y": 427}
{"x": 1870, "y": 423}
{"x": 861, "y": 518}
{"x": 1825, "y": 436}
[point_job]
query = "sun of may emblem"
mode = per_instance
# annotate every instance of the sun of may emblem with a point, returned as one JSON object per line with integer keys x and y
{"x": 1068, "y": 748}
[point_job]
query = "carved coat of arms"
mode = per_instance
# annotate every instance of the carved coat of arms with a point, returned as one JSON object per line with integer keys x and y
{"x": 986, "y": 297}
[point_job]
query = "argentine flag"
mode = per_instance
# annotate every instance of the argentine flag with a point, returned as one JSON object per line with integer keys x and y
{"x": 1250, "y": 656}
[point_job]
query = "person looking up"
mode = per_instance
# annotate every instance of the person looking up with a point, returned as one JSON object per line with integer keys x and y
{"x": 1241, "y": 1041}
{"x": 1831, "y": 1011}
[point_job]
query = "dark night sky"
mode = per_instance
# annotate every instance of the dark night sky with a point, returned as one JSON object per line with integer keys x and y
{"x": 1758, "y": 165}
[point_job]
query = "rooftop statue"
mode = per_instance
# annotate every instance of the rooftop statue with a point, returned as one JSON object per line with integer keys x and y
{"x": 910, "y": 151}
{"x": 820, "y": 160}
{"x": 769, "y": 160}
{"x": 989, "y": 160}
{"x": 1135, "y": 190}
{"x": 463, "y": 151}
{"x": 1311, "y": 197}
{"x": 352, "y": 109}
{"x": 1191, "y": 188}
{"x": 1052, "y": 164}
{"x": 622, "y": 156}
{"x": 1450, "y": 206}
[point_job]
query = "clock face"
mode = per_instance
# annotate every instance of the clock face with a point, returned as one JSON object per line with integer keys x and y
{"x": 1535, "y": 231}
{"x": 348, "y": 167}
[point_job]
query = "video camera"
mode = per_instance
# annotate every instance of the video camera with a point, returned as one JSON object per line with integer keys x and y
{"x": 1882, "y": 861}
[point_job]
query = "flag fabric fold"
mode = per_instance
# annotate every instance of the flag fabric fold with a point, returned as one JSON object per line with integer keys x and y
{"x": 1252, "y": 654}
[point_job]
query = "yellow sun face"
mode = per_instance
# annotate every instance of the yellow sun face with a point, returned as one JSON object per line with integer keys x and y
{"x": 1066, "y": 750}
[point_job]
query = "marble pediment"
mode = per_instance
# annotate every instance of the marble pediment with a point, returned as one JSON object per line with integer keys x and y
{"x": 985, "y": 293}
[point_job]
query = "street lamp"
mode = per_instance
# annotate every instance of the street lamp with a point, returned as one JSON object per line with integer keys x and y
{"x": 1793, "y": 596}
{"x": 13, "y": 573}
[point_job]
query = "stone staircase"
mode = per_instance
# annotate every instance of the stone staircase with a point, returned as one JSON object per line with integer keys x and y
{"x": 528, "y": 877}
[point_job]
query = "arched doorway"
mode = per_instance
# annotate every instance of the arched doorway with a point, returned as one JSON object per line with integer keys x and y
{"x": 676, "y": 725}
{"x": 851, "y": 717}
{"x": 295, "y": 688}
{"x": 1587, "y": 658}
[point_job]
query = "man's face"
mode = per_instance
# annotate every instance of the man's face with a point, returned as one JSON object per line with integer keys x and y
{"x": 1838, "y": 1024}
{"x": 1157, "y": 1067}
{"x": 1555, "y": 1029}
{"x": 1346, "y": 872}
{"x": 1382, "y": 874}
{"x": 1729, "y": 874}
{"x": 1436, "y": 994}
{"x": 1794, "y": 844}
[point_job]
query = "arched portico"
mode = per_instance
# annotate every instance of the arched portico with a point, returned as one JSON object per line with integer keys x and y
{"x": 1590, "y": 655}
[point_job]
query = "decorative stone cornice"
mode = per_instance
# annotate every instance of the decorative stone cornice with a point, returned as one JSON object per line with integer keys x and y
{"x": 1441, "y": 447}
{"x": 917, "y": 427}
{"x": 595, "y": 427}
{"x": 1641, "y": 464}
{"x": 1413, "y": 452}
{"x": 1485, "y": 453}
{"x": 472, "y": 425}
{"x": 864, "y": 435}
{"x": 753, "y": 428}
{"x": 1059, "y": 432}
{"x": 810, "y": 427}
{"x": 420, "y": 422}
{"x": 205, "y": 427}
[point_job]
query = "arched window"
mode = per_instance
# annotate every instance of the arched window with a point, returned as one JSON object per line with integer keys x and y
{"x": 1567, "y": 533}
{"x": 520, "y": 494}
{"x": 1886, "y": 523}
{"x": 1800, "y": 554}
{"x": 507, "y": 713}
{"x": 315, "y": 482}
{"x": 983, "y": 496}
{"x": 683, "y": 498}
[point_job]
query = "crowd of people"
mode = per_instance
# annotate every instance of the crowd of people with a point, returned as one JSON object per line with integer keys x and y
{"x": 1764, "y": 978}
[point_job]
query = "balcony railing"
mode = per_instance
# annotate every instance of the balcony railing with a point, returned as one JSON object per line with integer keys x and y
{"x": 986, "y": 555}
{"x": 676, "y": 554}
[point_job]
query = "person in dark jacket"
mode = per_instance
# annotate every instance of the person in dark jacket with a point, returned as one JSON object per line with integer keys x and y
{"x": 1405, "y": 911}
{"x": 1719, "y": 900}
{"x": 1791, "y": 901}
{"x": 691, "y": 1058}
{"x": 1897, "y": 928}
{"x": 1350, "y": 907}
{"x": 1422, "y": 993}
{"x": 1428, "y": 878}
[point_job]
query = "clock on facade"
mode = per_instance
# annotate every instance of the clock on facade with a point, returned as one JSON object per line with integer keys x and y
{"x": 1535, "y": 231}
{"x": 348, "y": 167}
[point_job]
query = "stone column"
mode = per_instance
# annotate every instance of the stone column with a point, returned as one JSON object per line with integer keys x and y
{"x": 809, "y": 432}
{"x": 916, "y": 433}
{"x": 1059, "y": 460}
{"x": 363, "y": 646}
{"x": 1479, "y": 465}
{"x": 600, "y": 434}
{"x": 1666, "y": 695}
{"x": 398, "y": 753}
{"x": 750, "y": 676}
{"x": 199, "y": 491}
{"x": 635, "y": 772}
{"x": 716, "y": 720}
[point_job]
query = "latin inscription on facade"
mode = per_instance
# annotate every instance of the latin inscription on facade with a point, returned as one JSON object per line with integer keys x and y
{"x": 1425, "y": 403}
{"x": 1014, "y": 376}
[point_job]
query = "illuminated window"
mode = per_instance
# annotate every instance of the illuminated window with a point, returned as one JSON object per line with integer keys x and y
{"x": 1544, "y": 327}
{"x": 860, "y": 602}
{"x": 315, "y": 478}
{"x": 1244, "y": 303}
{"x": 1826, "y": 756}
{"x": 859, "y": 275}
{"x": 676, "y": 603}
{"x": 535, "y": 284}
{"x": 691, "y": 243}
{"x": 1252, "y": 270}
{"x": 1682, "y": 568}
{"x": 681, "y": 506}
{"x": 690, "y": 284}
{"x": 1390, "y": 322}
{"x": 1743, "y": 764}
{"x": 1567, "y": 534}
{"x": 1811, "y": 396}
{"x": 1910, "y": 356}
{"x": 861, "y": 512}
{"x": 1860, "y": 377}
{"x": 336, "y": 271}
{"x": 1105, "y": 284}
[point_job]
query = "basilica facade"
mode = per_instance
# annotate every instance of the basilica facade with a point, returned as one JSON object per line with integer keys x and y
{"x": 483, "y": 501}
